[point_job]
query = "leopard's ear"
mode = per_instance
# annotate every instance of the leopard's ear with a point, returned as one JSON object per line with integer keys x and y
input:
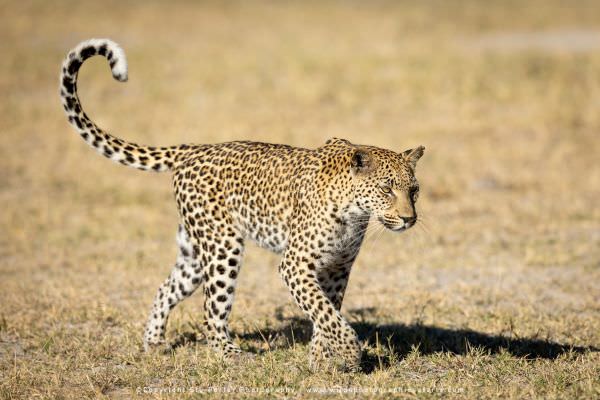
{"x": 413, "y": 155}
{"x": 362, "y": 161}
{"x": 337, "y": 141}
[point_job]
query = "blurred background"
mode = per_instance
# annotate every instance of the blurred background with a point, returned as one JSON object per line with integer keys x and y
{"x": 504, "y": 95}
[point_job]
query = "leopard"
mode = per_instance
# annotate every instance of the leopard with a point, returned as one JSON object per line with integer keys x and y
{"x": 310, "y": 206}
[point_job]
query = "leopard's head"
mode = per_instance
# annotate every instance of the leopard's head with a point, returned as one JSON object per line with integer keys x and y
{"x": 385, "y": 185}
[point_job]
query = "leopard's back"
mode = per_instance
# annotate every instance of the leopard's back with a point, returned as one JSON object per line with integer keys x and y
{"x": 256, "y": 184}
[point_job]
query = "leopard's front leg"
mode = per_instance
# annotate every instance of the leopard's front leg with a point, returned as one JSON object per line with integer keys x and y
{"x": 333, "y": 279}
{"x": 332, "y": 332}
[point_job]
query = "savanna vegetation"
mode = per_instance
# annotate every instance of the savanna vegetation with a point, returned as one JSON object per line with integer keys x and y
{"x": 496, "y": 292}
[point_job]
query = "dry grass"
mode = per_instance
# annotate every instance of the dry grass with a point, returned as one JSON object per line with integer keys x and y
{"x": 495, "y": 294}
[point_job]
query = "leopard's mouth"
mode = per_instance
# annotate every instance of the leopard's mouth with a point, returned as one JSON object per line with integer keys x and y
{"x": 397, "y": 225}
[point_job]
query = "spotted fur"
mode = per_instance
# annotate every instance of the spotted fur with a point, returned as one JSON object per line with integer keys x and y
{"x": 310, "y": 205}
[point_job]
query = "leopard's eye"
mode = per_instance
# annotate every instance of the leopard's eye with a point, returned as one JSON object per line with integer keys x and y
{"x": 385, "y": 189}
{"x": 414, "y": 194}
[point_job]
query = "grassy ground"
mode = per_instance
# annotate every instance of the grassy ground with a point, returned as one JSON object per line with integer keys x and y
{"x": 496, "y": 293}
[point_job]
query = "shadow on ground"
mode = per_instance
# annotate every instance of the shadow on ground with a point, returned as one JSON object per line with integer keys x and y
{"x": 402, "y": 338}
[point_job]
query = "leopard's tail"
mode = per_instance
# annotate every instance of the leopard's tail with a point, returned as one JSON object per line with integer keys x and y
{"x": 146, "y": 158}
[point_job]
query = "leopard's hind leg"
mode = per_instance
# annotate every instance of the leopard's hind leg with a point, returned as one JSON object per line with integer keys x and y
{"x": 184, "y": 279}
{"x": 224, "y": 260}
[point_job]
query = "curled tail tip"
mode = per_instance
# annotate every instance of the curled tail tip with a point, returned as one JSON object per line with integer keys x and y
{"x": 106, "y": 48}
{"x": 118, "y": 61}
{"x": 119, "y": 67}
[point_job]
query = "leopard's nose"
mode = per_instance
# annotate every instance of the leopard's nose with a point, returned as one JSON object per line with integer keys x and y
{"x": 409, "y": 221}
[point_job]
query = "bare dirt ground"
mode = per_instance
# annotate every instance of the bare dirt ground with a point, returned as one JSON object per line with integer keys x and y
{"x": 495, "y": 293}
